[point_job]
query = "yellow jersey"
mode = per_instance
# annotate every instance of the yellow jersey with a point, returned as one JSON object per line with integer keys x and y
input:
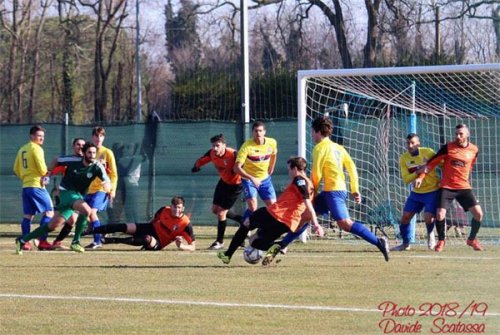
{"x": 106, "y": 157}
{"x": 29, "y": 165}
{"x": 329, "y": 159}
{"x": 257, "y": 157}
{"x": 409, "y": 164}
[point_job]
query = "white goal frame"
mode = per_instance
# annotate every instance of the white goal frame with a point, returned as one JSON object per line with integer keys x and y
{"x": 406, "y": 101}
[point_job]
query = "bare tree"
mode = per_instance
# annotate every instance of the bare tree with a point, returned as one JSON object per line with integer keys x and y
{"x": 17, "y": 27}
{"x": 35, "y": 51}
{"x": 110, "y": 16}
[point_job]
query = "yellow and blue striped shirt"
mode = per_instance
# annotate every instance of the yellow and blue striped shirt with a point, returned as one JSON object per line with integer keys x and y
{"x": 257, "y": 157}
{"x": 409, "y": 164}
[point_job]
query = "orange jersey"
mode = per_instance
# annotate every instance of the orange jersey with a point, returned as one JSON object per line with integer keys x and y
{"x": 168, "y": 227}
{"x": 290, "y": 205}
{"x": 224, "y": 165}
{"x": 458, "y": 162}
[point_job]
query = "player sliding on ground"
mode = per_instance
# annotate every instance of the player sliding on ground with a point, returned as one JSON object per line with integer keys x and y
{"x": 329, "y": 161}
{"x": 168, "y": 225}
{"x": 278, "y": 218}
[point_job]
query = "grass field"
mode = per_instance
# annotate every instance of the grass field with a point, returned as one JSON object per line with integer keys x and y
{"x": 321, "y": 287}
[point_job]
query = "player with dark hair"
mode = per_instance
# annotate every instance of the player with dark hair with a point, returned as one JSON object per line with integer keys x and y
{"x": 79, "y": 172}
{"x": 280, "y": 217}
{"x": 168, "y": 225}
{"x": 424, "y": 197}
{"x": 78, "y": 144}
{"x": 329, "y": 160}
{"x": 30, "y": 167}
{"x": 458, "y": 157}
{"x": 228, "y": 188}
{"x": 97, "y": 198}
{"x": 255, "y": 164}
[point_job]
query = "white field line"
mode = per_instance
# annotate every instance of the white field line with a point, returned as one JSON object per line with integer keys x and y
{"x": 201, "y": 303}
{"x": 331, "y": 254}
{"x": 187, "y": 302}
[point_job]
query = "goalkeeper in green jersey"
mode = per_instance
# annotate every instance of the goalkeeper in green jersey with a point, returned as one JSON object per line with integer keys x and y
{"x": 79, "y": 172}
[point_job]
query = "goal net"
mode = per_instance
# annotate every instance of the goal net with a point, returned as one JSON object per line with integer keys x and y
{"x": 373, "y": 110}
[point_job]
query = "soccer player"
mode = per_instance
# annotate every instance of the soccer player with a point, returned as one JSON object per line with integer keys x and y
{"x": 97, "y": 198}
{"x": 78, "y": 144}
{"x": 458, "y": 157}
{"x": 30, "y": 167}
{"x": 278, "y": 218}
{"x": 424, "y": 197}
{"x": 169, "y": 224}
{"x": 228, "y": 188}
{"x": 79, "y": 172}
{"x": 255, "y": 164}
{"x": 329, "y": 160}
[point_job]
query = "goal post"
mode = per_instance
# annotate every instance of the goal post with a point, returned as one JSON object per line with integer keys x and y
{"x": 374, "y": 109}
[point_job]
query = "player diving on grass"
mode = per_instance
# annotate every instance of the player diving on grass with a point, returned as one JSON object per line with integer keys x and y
{"x": 169, "y": 224}
{"x": 278, "y": 218}
{"x": 79, "y": 172}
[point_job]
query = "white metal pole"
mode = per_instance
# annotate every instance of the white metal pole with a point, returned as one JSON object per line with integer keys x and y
{"x": 301, "y": 115}
{"x": 245, "y": 90}
{"x": 138, "y": 115}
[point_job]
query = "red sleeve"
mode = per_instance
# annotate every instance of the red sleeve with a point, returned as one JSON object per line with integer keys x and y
{"x": 59, "y": 169}
{"x": 203, "y": 159}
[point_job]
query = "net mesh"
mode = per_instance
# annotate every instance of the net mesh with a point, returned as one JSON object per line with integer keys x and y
{"x": 371, "y": 114}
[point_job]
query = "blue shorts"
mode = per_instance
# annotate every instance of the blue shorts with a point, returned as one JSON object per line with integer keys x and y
{"x": 98, "y": 200}
{"x": 417, "y": 201}
{"x": 266, "y": 190}
{"x": 334, "y": 202}
{"x": 36, "y": 200}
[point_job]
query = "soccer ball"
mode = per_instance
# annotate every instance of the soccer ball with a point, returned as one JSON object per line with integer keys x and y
{"x": 252, "y": 255}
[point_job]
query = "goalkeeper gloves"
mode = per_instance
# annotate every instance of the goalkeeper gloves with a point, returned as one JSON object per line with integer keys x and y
{"x": 195, "y": 169}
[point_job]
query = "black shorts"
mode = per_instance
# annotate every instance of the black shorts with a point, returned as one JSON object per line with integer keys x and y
{"x": 465, "y": 198}
{"x": 268, "y": 229}
{"x": 145, "y": 229}
{"x": 225, "y": 195}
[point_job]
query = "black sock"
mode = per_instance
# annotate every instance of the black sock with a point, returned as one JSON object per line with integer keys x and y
{"x": 474, "y": 228}
{"x": 238, "y": 239}
{"x": 221, "y": 229}
{"x": 440, "y": 228}
{"x": 233, "y": 216}
{"x": 132, "y": 240}
{"x": 66, "y": 229}
{"x": 110, "y": 228}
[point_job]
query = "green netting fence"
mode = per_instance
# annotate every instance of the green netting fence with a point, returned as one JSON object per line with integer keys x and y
{"x": 164, "y": 160}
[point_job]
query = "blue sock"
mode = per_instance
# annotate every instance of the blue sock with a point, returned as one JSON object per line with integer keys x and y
{"x": 25, "y": 226}
{"x": 404, "y": 229}
{"x": 363, "y": 232}
{"x": 44, "y": 222}
{"x": 97, "y": 237}
{"x": 292, "y": 236}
